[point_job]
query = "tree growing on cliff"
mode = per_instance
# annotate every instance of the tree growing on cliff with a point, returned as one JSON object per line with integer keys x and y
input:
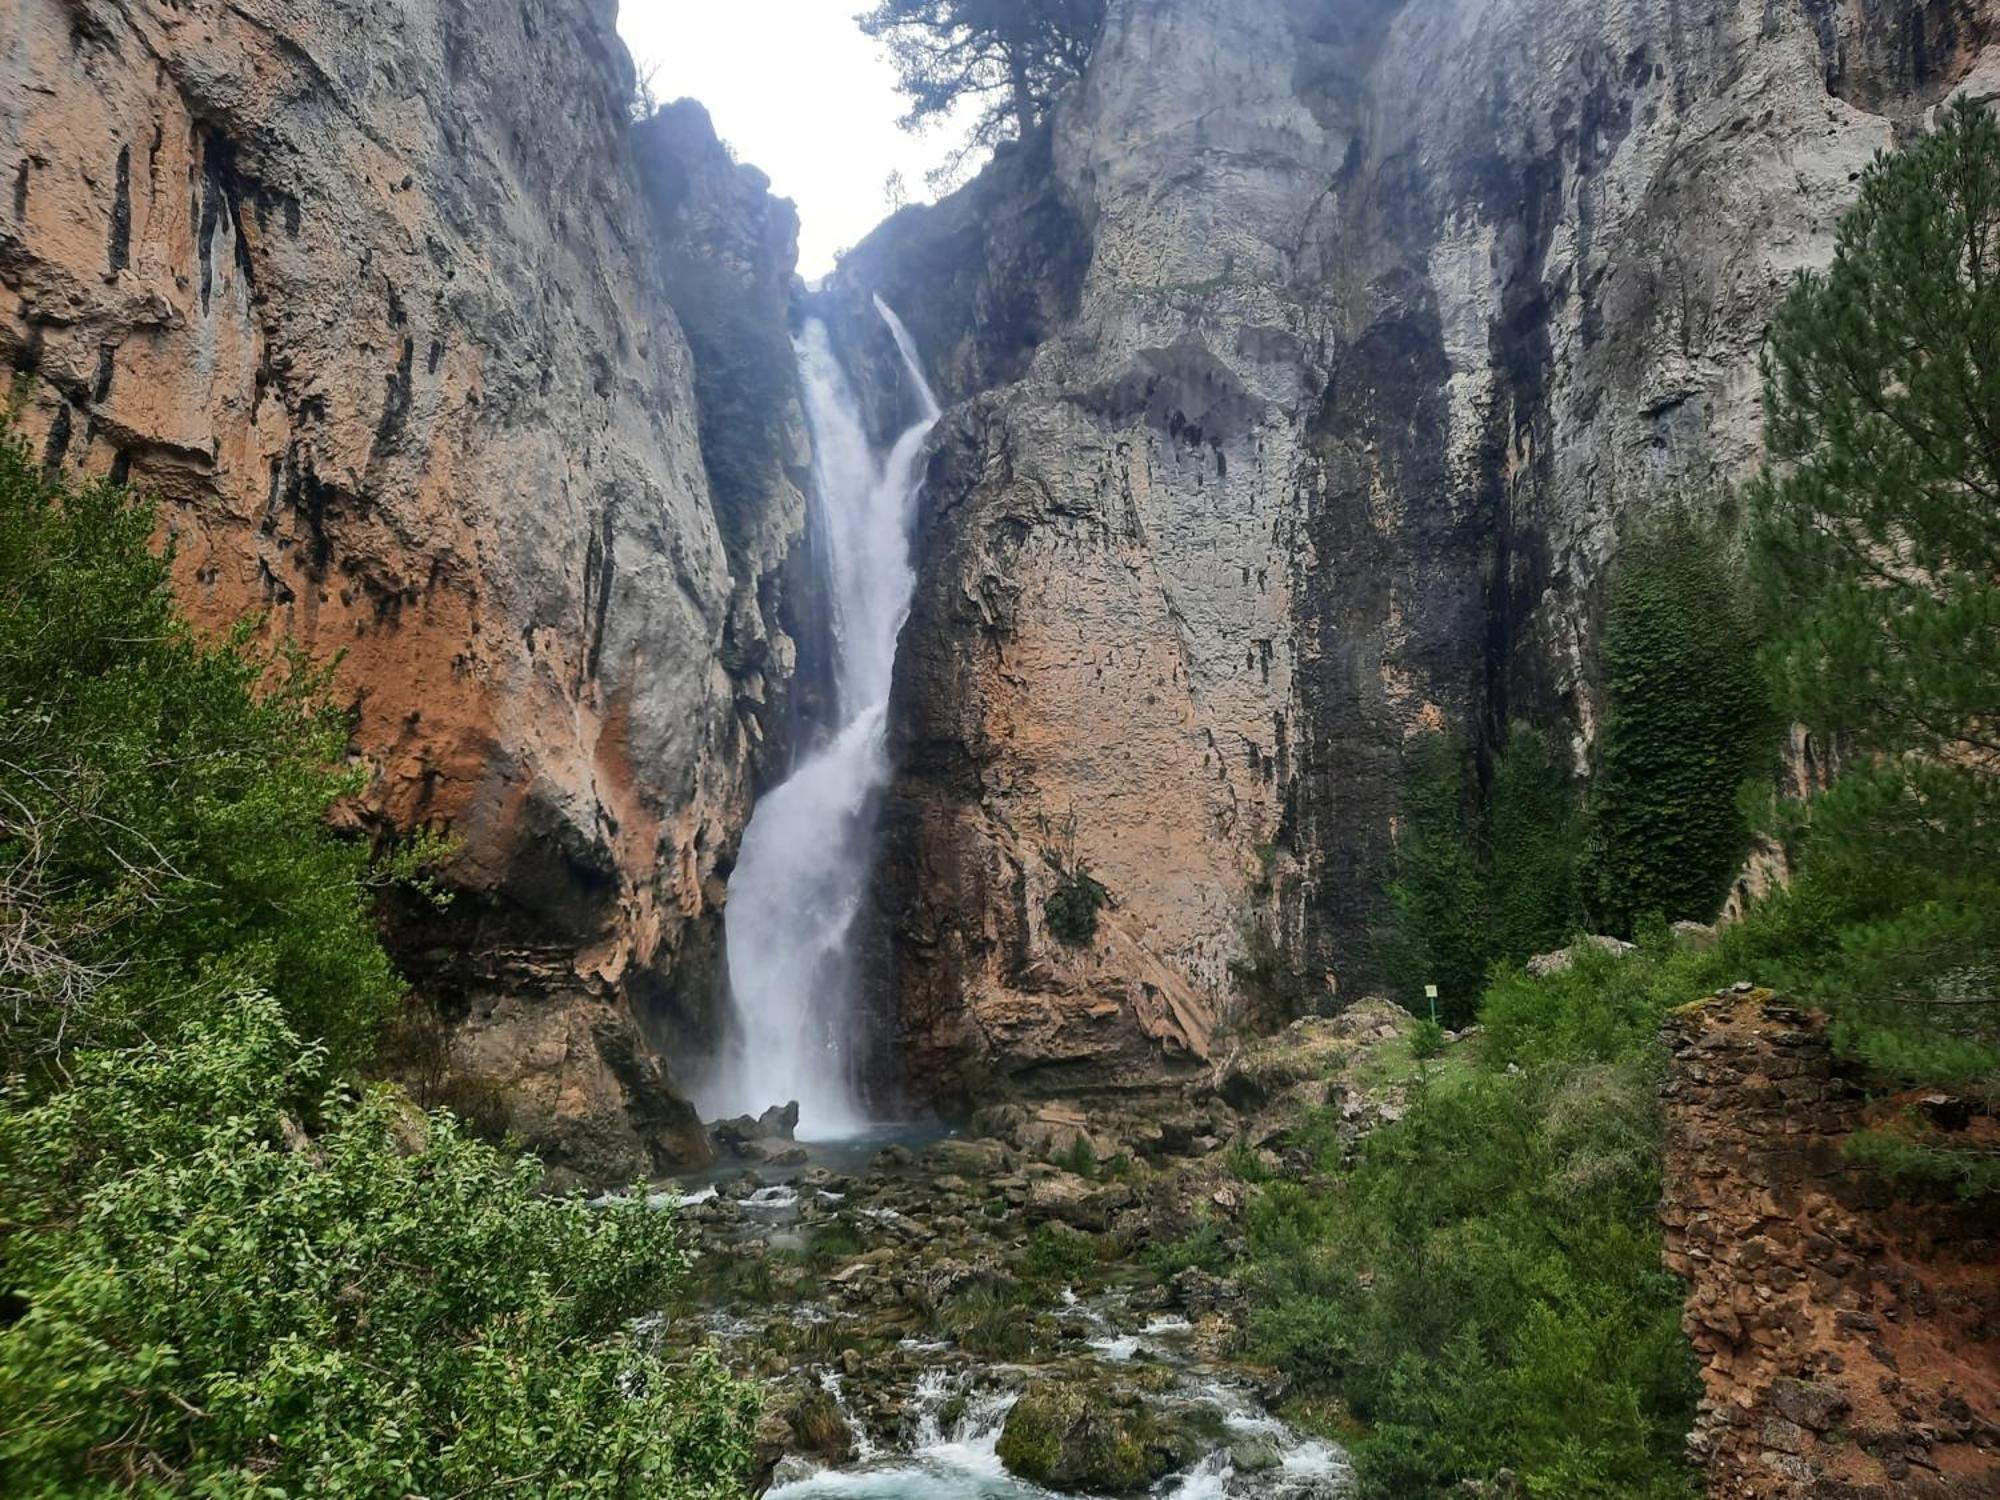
{"x": 1876, "y": 540}
{"x": 1012, "y": 56}
{"x": 1687, "y": 724}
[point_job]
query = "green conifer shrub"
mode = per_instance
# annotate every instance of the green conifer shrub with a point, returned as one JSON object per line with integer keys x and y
{"x": 1687, "y": 724}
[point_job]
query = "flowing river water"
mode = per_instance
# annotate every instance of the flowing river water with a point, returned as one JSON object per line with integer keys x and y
{"x": 869, "y": 1334}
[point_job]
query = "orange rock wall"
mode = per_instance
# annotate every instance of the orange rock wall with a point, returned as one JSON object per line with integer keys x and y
{"x": 1850, "y": 1344}
{"x": 367, "y": 294}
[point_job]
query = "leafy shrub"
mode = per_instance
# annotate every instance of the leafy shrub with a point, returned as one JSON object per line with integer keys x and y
{"x": 1201, "y": 1248}
{"x": 226, "y": 1271}
{"x": 1484, "y": 1287}
{"x": 163, "y": 834}
{"x": 211, "y": 1301}
{"x": 1427, "y": 1039}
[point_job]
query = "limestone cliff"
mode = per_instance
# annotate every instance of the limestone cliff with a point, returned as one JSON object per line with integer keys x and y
{"x": 1360, "y": 328}
{"x": 380, "y": 298}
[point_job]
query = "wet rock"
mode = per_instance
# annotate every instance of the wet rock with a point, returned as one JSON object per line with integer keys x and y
{"x": 1257, "y": 1455}
{"x": 1094, "y": 1436}
{"x": 748, "y": 1136}
{"x": 977, "y": 1158}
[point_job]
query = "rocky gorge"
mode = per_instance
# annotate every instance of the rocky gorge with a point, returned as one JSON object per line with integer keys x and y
{"x": 1302, "y": 374}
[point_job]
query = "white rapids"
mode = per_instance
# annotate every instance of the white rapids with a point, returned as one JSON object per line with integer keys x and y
{"x": 802, "y": 872}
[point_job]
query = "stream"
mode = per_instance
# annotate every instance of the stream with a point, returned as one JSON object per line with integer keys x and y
{"x": 869, "y": 1338}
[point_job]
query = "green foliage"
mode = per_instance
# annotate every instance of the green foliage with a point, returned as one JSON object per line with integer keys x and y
{"x": 1071, "y": 908}
{"x": 1079, "y": 1157}
{"x": 1687, "y": 724}
{"x": 1876, "y": 543}
{"x": 228, "y": 1273}
{"x": 163, "y": 835}
{"x": 1202, "y": 1248}
{"x": 212, "y": 1302}
{"x": 1428, "y": 1040}
{"x": 1877, "y": 525}
{"x": 1927, "y": 1165}
{"x": 1478, "y": 881}
{"x": 1532, "y": 848}
{"x": 1013, "y": 56}
{"x": 1484, "y": 1288}
{"x": 1058, "y": 1253}
{"x": 832, "y": 1243}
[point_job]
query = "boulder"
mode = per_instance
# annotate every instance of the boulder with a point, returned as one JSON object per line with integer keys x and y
{"x": 1546, "y": 965}
{"x": 1093, "y": 1436}
{"x": 748, "y": 1136}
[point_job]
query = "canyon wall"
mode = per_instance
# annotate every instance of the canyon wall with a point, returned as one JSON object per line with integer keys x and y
{"x": 391, "y": 306}
{"x": 1307, "y": 375}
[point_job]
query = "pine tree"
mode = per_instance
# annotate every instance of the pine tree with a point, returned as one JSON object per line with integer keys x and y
{"x": 1014, "y": 56}
{"x": 1876, "y": 541}
{"x": 1878, "y": 522}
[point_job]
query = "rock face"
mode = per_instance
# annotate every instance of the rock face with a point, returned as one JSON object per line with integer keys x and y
{"x": 1848, "y": 1343}
{"x": 380, "y": 299}
{"x": 1358, "y": 331}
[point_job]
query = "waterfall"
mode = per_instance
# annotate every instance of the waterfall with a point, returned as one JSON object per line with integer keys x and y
{"x": 802, "y": 872}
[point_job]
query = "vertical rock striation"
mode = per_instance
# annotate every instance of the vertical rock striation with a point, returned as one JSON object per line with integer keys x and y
{"x": 380, "y": 298}
{"x": 1348, "y": 336}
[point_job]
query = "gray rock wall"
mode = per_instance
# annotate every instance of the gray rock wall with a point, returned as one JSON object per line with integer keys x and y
{"x": 1393, "y": 316}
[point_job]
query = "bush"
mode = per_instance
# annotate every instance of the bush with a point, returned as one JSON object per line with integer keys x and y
{"x": 163, "y": 834}
{"x": 211, "y": 1301}
{"x": 1058, "y": 1253}
{"x": 1428, "y": 1039}
{"x": 1071, "y": 909}
{"x": 1484, "y": 1287}
{"x": 224, "y": 1270}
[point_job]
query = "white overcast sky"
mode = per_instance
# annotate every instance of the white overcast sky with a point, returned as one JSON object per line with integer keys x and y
{"x": 797, "y": 90}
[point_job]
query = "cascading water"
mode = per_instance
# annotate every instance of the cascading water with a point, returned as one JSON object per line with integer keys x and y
{"x": 802, "y": 872}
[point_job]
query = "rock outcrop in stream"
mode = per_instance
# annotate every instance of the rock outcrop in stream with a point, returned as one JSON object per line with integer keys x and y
{"x": 1313, "y": 364}
{"x": 392, "y": 307}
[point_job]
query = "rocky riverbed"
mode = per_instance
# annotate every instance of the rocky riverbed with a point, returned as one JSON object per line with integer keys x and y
{"x": 1038, "y": 1305}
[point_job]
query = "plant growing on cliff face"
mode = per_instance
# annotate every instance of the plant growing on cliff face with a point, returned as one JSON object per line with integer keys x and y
{"x": 1071, "y": 909}
{"x": 1687, "y": 724}
{"x": 1012, "y": 56}
{"x": 1876, "y": 540}
{"x": 163, "y": 801}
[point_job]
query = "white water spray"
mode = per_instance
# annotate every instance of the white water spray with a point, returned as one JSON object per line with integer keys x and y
{"x": 802, "y": 872}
